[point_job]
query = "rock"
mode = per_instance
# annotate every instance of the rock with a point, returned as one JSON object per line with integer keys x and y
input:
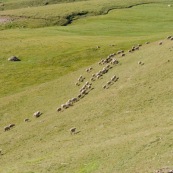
{"x": 14, "y": 58}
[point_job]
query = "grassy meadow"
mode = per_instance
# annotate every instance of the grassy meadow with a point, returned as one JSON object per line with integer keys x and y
{"x": 126, "y": 128}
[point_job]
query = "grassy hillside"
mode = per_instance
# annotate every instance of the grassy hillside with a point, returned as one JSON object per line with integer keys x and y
{"x": 17, "y": 4}
{"x": 125, "y": 128}
{"x": 48, "y": 53}
{"x": 65, "y": 13}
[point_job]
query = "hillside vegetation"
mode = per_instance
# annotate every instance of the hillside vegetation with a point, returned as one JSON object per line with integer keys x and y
{"x": 65, "y": 13}
{"x": 125, "y": 128}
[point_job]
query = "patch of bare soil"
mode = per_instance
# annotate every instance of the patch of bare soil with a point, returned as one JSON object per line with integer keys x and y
{"x": 4, "y": 20}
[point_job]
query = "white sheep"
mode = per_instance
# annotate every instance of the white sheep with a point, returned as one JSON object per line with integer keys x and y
{"x": 37, "y": 114}
{"x": 6, "y": 128}
{"x": 59, "y": 109}
{"x": 160, "y": 43}
{"x": 26, "y": 120}
{"x": 73, "y": 130}
{"x": 11, "y": 125}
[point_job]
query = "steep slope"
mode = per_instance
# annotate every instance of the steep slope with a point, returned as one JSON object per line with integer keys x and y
{"x": 126, "y": 128}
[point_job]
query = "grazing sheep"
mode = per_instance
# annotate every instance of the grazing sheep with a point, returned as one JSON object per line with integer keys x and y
{"x": 97, "y": 47}
{"x": 11, "y": 125}
{"x": 74, "y": 99}
{"x": 79, "y": 96}
{"x": 160, "y": 43}
{"x": 92, "y": 79}
{"x": 137, "y": 48}
{"x": 73, "y": 130}
{"x": 37, "y": 114}
{"x": 169, "y": 37}
{"x": 113, "y": 78}
{"x": 83, "y": 92}
{"x": 26, "y": 120}
{"x": 120, "y": 51}
{"x": 6, "y": 128}
{"x": 13, "y": 58}
{"x": 87, "y": 70}
{"x": 104, "y": 87}
{"x": 114, "y": 61}
{"x": 169, "y": 5}
{"x": 133, "y": 49}
{"x": 147, "y": 42}
{"x": 123, "y": 54}
{"x": 139, "y": 45}
{"x": 109, "y": 82}
{"x": 69, "y": 103}
{"x": 129, "y": 51}
{"x": 77, "y": 84}
{"x": 59, "y": 109}
{"x": 90, "y": 68}
{"x": 81, "y": 78}
{"x": 139, "y": 62}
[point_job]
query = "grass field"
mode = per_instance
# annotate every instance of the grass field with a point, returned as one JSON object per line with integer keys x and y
{"x": 126, "y": 128}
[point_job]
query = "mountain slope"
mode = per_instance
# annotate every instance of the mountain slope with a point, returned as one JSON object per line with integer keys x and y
{"x": 126, "y": 128}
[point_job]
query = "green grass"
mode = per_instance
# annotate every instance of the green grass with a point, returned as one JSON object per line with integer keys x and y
{"x": 63, "y": 14}
{"x": 48, "y": 53}
{"x": 126, "y": 128}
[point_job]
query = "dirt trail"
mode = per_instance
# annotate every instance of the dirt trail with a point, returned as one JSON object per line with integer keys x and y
{"x": 4, "y": 19}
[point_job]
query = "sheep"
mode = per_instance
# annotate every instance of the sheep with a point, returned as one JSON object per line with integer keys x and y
{"x": 139, "y": 62}
{"x": 171, "y": 38}
{"x": 74, "y": 99}
{"x": 113, "y": 78}
{"x": 6, "y": 128}
{"x": 97, "y": 47}
{"x": 104, "y": 87}
{"x": 129, "y": 51}
{"x": 81, "y": 78}
{"x": 160, "y": 43}
{"x": 64, "y": 106}
{"x": 123, "y": 54}
{"x": 147, "y": 42}
{"x": 26, "y": 120}
{"x": 92, "y": 79}
{"x": 11, "y": 125}
{"x": 59, "y": 109}
{"x": 83, "y": 92}
{"x": 77, "y": 84}
{"x": 120, "y": 51}
{"x": 139, "y": 45}
{"x": 73, "y": 130}
{"x": 69, "y": 103}
{"x": 37, "y": 114}
{"x": 109, "y": 82}
{"x": 0, "y": 151}
{"x": 87, "y": 70}
{"x": 90, "y": 68}
{"x": 137, "y": 48}
{"x": 114, "y": 61}
{"x": 169, "y": 5}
